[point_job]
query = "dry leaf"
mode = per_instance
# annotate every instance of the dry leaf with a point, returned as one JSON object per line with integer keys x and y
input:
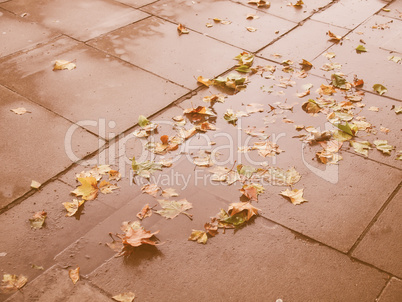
{"x": 295, "y": 196}
{"x": 114, "y": 175}
{"x": 260, "y": 3}
{"x": 35, "y": 184}
{"x": 124, "y": 297}
{"x": 106, "y": 187}
{"x": 383, "y": 146}
{"x": 205, "y": 81}
{"x": 182, "y": 29}
{"x": 88, "y": 189}
{"x": 63, "y": 64}
{"x": 38, "y": 219}
{"x": 145, "y": 212}
{"x": 20, "y": 111}
{"x": 199, "y": 236}
{"x": 334, "y": 37}
{"x": 172, "y": 208}
{"x": 74, "y": 274}
{"x": 251, "y": 29}
{"x": 151, "y": 189}
{"x": 72, "y": 207}
{"x": 12, "y": 283}
{"x": 169, "y": 192}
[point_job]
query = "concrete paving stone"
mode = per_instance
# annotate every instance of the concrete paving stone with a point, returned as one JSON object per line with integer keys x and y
{"x": 136, "y": 3}
{"x": 382, "y": 245}
{"x": 333, "y": 216}
{"x": 392, "y": 292}
{"x": 183, "y": 58}
{"x": 305, "y": 42}
{"x": 103, "y": 94}
{"x": 91, "y": 251}
{"x": 25, "y": 247}
{"x": 55, "y": 285}
{"x": 281, "y": 8}
{"x": 82, "y": 20}
{"x": 24, "y": 151}
{"x": 196, "y": 15}
{"x": 353, "y": 12}
{"x": 395, "y": 10}
{"x": 260, "y": 262}
{"x": 18, "y": 33}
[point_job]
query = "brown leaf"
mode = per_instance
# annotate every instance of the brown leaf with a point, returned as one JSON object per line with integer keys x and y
{"x": 12, "y": 283}
{"x": 205, "y": 81}
{"x": 333, "y": 37}
{"x": 182, "y": 29}
{"x": 63, "y": 64}
{"x": 74, "y": 274}
{"x": 151, "y": 189}
{"x": 235, "y": 208}
{"x": 211, "y": 229}
{"x": 145, "y": 212}
{"x": 124, "y": 297}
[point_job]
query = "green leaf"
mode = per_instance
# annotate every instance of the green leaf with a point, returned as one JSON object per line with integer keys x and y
{"x": 361, "y": 48}
{"x": 339, "y": 82}
{"x": 243, "y": 69}
{"x": 245, "y": 58}
{"x": 361, "y": 147}
{"x": 380, "y": 88}
{"x": 382, "y": 145}
{"x": 347, "y": 129}
{"x": 230, "y": 116}
{"x": 142, "y": 121}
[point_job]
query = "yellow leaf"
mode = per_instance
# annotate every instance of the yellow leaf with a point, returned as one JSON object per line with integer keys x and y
{"x": 20, "y": 111}
{"x": 11, "y": 283}
{"x": 35, "y": 184}
{"x": 106, "y": 187}
{"x": 63, "y": 64}
{"x": 199, "y": 236}
{"x": 72, "y": 207}
{"x": 88, "y": 189}
{"x": 251, "y": 29}
{"x": 182, "y": 29}
{"x": 205, "y": 81}
{"x": 125, "y": 297}
{"x": 295, "y": 196}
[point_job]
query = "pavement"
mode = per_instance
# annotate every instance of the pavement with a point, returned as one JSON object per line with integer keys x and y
{"x": 343, "y": 244}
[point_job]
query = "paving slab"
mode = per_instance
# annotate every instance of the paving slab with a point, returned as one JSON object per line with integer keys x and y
{"x": 28, "y": 132}
{"x": 272, "y": 263}
{"x": 395, "y": 10}
{"x": 25, "y": 247}
{"x": 392, "y": 292}
{"x": 18, "y": 33}
{"x": 79, "y": 19}
{"x": 307, "y": 41}
{"x": 103, "y": 94}
{"x": 353, "y": 12}
{"x": 136, "y": 3}
{"x": 382, "y": 244}
{"x": 283, "y": 9}
{"x": 55, "y": 285}
{"x": 196, "y": 15}
{"x": 183, "y": 58}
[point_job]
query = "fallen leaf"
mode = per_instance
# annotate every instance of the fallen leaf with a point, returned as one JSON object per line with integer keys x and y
{"x": 306, "y": 65}
{"x": 380, "y": 89}
{"x": 205, "y": 81}
{"x": 72, "y": 207}
{"x": 303, "y": 94}
{"x": 202, "y": 159}
{"x": 266, "y": 148}
{"x": 34, "y": 266}
{"x": 169, "y": 192}
{"x": 252, "y": 191}
{"x": 199, "y": 236}
{"x": 373, "y": 108}
{"x": 12, "y": 283}
{"x": 211, "y": 229}
{"x": 329, "y": 55}
{"x": 251, "y": 29}
{"x": 340, "y": 82}
{"x": 252, "y": 16}
{"x": 254, "y": 108}
{"x": 242, "y": 207}
{"x": 114, "y": 175}
{"x": 331, "y": 66}
{"x": 382, "y": 145}
{"x": 35, "y": 184}
{"x": 394, "y": 59}
{"x": 88, "y": 188}
{"x": 205, "y": 126}
{"x": 106, "y": 187}
{"x": 214, "y": 98}
{"x": 145, "y": 212}
{"x": 295, "y": 196}
{"x": 145, "y": 169}
{"x": 230, "y": 117}
{"x": 299, "y": 3}
{"x": 199, "y": 110}
{"x": 384, "y": 130}
{"x": 361, "y": 48}
{"x": 38, "y": 219}
{"x": 311, "y": 107}
{"x": 280, "y": 177}
{"x": 124, "y": 297}
{"x": 232, "y": 81}
{"x": 361, "y": 147}
{"x": 398, "y": 109}
{"x": 63, "y": 64}
{"x": 333, "y": 37}
{"x": 74, "y": 274}
{"x": 182, "y": 29}
{"x": 172, "y": 208}
{"x": 260, "y": 3}
{"x": 20, "y": 111}
{"x": 151, "y": 189}
{"x": 326, "y": 90}
{"x": 399, "y": 155}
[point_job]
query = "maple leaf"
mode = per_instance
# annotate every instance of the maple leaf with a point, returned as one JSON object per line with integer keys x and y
{"x": 361, "y": 147}
{"x": 232, "y": 81}
{"x": 252, "y": 191}
{"x": 223, "y": 174}
{"x": 380, "y": 89}
{"x": 280, "y": 177}
{"x": 106, "y": 187}
{"x": 182, "y": 29}
{"x": 199, "y": 236}
{"x": 74, "y": 274}
{"x": 340, "y": 82}
{"x": 63, "y": 64}
{"x": 240, "y": 213}
{"x": 151, "y": 189}
{"x": 245, "y": 58}
{"x": 124, "y": 297}
{"x": 145, "y": 212}
{"x": 169, "y": 192}
{"x": 299, "y": 3}
{"x": 266, "y": 148}
{"x": 146, "y": 168}
{"x": 203, "y": 159}
{"x": 205, "y": 126}
{"x": 72, "y": 207}
{"x": 214, "y": 98}
{"x": 88, "y": 189}
{"x": 306, "y": 65}
{"x": 114, "y": 175}
{"x": 172, "y": 208}
{"x": 211, "y": 229}
{"x": 246, "y": 171}
{"x": 35, "y": 184}
{"x": 12, "y": 283}
{"x": 20, "y": 111}
{"x": 333, "y": 37}
{"x": 295, "y": 196}
{"x": 382, "y": 145}
{"x": 38, "y": 219}
{"x": 347, "y": 128}
{"x": 254, "y": 108}
{"x": 205, "y": 81}
{"x": 326, "y": 90}
{"x": 311, "y": 107}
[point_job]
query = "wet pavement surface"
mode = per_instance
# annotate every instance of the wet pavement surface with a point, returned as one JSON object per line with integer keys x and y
{"x": 343, "y": 244}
